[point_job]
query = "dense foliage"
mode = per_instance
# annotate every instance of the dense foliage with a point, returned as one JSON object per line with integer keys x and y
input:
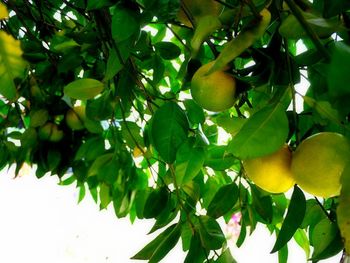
{"x": 97, "y": 92}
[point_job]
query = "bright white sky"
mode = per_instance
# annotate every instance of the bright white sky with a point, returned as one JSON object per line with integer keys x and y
{"x": 41, "y": 222}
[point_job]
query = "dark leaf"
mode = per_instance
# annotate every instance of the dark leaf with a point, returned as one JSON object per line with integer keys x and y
{"x": 223, "y": 201}
{"x": 294, "y": 218}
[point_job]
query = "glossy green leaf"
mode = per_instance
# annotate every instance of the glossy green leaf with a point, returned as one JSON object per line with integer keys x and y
{"x": 217, "y": 207}
{"x": 263, "y": 205}
{"x": 159, "y": 247}
{"x": 230, "y": 124}
{"x": 156, "y": 202}
{"x": 323, "y": 235}
{"x": 218, "y": 158}
{"x": 105, "y": 196}
{"x": 124, "y": 23}
{"x": 114, "y": 64}
{"x": 291, "y": 28}
{"x": 196, "y": 253}
{"x": 100, "y": 163}
{"x": 338, "y": 73}
{"x": 263, "y": 133}
{"x": 167, "y": 50}
{"x": 293, "y": 219}
{"x": 195, "y": 113}
{"x": 189, "y": 161}
{"x": 169, "y": 130}
{"x": 11, "y": 65}
{"x": 83, "y": 89}
{"x": 210, "y": 233}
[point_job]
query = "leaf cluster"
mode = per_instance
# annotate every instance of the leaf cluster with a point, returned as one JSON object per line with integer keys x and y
{"x": 146, "y": 147}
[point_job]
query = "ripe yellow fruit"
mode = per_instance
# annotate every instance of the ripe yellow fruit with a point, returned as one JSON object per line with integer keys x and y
{"x": 271, "y": 173}
{"x": 50, "y": 132}
{"x": 319, "y": 161}
{"x": 197, "y": 9}
{"x": 214, "y": 92}
{"x": 75, "y": 118}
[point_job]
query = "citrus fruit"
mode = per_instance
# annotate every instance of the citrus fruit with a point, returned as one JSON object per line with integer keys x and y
{"x": 214, "y": 92}
{"x": 50, "y": 132}
{"x": 319, "y": 161}
{"x": 272, "y": 172}
{"x": 75, "y": 118}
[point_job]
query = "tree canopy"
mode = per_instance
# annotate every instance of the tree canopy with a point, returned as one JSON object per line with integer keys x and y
{"x": 112, "y": 96}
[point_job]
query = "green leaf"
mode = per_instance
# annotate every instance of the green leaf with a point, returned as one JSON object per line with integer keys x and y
{"x": 99, "y": 109}
{"x": 38, "y": 117}
{"x": 189, "y": 161}
{"x": 301, "y": 239}
{"x": 156, "y": 202}
{"x": 159, "y": 247}
{"x": 263, "y": 205}
{"x": 230, "y": 124}
{"x": 124, "y": 23}
{"x": 292, "y": 29}
{"x": 226, "y": 257}
{"x": 322, "y": 236}
{"x": 99, "y": 163}
{"x": 223, "y": 201}
{"x": 210, "y": 233}
{"x": 83, "y": 89}
{"x": 91, "y": 149}
{"x": 98, "y": 4}
{"x": 196, "y": 253}
{"x": 294, "y": 218}
{"x": 195, "y": 113}
{"x": 169, "y": 130}
{"x": 12, "y": 65}
{"x": 338, "y": 73}
{"x": 263, "y": 133}
{"x": 324, "y": 108}
{"x": 218, "y": 158}
{"x": 167, "y": 50}
{"x": 343, "y": 211}
{"x": 115, "y": 63}
{"x": 283, "y": 255}
{"x": 105, "y": 196}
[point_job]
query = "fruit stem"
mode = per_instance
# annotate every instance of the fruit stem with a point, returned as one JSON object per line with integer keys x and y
{"x": 323, "y": 209}
{"x": 311, "y": 33}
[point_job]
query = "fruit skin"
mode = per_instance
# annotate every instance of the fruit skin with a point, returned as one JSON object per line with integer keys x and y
{"x": 319, "y": 161}
{"x": 75, "y": 118}
{"x": 214, "y": 92}
{"x": 272, "y": 173}
{"x": 50, "y": 132}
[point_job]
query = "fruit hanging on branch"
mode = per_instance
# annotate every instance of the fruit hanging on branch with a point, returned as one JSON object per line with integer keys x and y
{"x": 319, "y": 161}
{"x": 215, "y": 92}
{"x": 271, "y": 173}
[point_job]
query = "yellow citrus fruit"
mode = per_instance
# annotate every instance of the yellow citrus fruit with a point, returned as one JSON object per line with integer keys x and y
{"x": 272, "y": 172}
{"x": 214, "y": 92}
{"x": 319, "y": 161}
{"x": 75, "y": 118}
{"x": 197, "y": 9}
